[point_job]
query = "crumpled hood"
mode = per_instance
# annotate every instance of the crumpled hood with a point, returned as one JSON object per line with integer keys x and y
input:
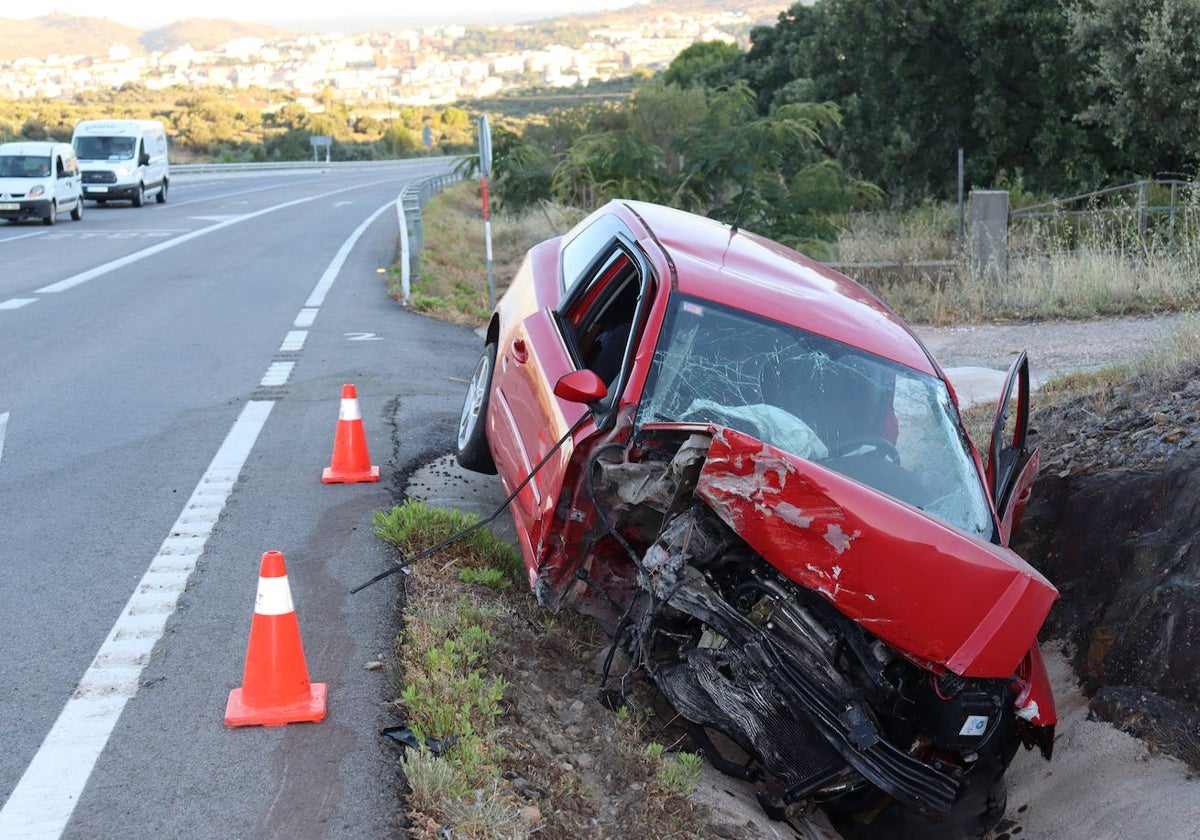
{"x": 923, "y": 586}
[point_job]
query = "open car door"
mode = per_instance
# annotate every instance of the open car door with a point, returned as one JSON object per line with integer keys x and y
{"x": 1011, "y": 464}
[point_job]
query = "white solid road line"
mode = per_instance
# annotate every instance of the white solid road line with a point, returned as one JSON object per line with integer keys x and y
{"x": 322, "y": 288}
{"x": 3, "y": 432}
{"x": 42, "y": 802}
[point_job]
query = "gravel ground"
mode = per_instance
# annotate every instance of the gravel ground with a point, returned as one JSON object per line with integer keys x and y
{"x": 1054, "y": 347}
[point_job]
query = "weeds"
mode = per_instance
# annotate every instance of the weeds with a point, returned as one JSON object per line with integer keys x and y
{"x": 458, "y": 643}
{"x": 414, "y": 525}
{"x": 677, "y": 774}
{"x": 450, "y": 698}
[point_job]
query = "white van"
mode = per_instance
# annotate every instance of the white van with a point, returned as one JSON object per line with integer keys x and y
{"x": 122, "y": 160}
{"x": 38, "y": 180}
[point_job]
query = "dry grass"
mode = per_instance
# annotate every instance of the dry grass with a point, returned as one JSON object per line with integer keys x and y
{"x": 926, "y": 233}
{"x": 907, "y": 258}
{"x": 1109, "y": 271}
{"x": 452, "y": 285}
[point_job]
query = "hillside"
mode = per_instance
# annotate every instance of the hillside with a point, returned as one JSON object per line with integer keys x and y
{"x": 204, "y": 33}
{"x": 63, "y": 35}
{"x": 68, "y": 35}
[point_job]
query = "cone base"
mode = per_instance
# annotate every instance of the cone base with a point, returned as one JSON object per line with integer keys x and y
{"x": 311, "y": 710}
{"x": 331, "y": 477}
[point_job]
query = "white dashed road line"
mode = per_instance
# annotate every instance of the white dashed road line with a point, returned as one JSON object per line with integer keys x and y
{"x": 42, "y": 802}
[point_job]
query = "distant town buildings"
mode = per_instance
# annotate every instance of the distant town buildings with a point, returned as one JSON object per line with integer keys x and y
{"x": 411, "y": 67}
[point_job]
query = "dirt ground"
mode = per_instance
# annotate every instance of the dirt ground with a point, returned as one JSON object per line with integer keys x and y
{"x": 572, "y": 756}
{"x": 1054, "y": 347}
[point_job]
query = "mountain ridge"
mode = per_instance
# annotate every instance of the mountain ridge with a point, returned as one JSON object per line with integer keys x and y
{"x": 64, "y": 34}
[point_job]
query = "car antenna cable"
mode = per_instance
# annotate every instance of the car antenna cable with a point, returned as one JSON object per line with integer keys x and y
{"x": 434, "y": 549}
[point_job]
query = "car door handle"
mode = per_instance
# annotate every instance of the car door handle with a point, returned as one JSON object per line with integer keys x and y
{"x": 520, "y": 351}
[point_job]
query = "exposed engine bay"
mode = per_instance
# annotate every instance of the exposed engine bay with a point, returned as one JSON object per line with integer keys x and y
{"x": 819, "y": 708}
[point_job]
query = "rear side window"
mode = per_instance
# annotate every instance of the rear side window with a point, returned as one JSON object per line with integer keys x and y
{"x": 589, "y": 247}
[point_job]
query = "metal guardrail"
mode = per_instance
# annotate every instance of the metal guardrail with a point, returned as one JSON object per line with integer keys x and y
{"x": 412, "y": 236}
{"x": 300, "y": 165}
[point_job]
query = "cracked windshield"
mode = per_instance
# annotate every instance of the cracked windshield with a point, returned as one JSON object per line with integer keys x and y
{"x": 868, "y": 418}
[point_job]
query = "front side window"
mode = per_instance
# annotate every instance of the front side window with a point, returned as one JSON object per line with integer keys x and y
{"x": 873, "y": 420}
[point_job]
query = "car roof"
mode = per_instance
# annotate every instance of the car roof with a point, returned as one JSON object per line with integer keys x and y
{"x": 753, "y": 273}
{"x": 30, "y": 147}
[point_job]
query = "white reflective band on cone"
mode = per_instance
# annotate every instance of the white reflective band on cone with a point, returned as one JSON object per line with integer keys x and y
{"x": 274, "y": 597}
{"x": 349, "y": 410}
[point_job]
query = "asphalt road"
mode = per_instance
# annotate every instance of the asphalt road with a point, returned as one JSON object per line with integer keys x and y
{"x": 170, "y": 383}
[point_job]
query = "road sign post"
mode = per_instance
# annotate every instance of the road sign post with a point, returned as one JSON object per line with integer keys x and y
{"x": 485, "y": 172}
{"x": 319, "y": 141}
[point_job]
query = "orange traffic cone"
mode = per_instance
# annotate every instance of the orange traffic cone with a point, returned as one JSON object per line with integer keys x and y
{"x": 275, "y": 688}
{"x": 350, "y": 463}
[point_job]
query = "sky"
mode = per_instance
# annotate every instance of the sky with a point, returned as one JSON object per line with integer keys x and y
{"x": 147, "y": 15}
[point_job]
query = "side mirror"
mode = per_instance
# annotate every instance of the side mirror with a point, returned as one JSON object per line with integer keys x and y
{"x": 144, "y": 159}
{"x": 581, "y": 386}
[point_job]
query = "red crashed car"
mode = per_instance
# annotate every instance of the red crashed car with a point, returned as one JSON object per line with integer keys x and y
{"x": 756, "y": 476}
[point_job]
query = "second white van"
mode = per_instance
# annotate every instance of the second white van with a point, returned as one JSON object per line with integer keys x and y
{"x": 122, "y": 160}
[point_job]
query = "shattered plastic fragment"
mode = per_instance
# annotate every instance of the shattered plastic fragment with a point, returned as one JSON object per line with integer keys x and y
{"x": 408, "y": 740}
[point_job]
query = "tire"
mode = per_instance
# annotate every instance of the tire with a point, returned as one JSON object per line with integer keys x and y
{"x": 161, "y": 198}
{"x": 473, "y": 451}
{"x": 139, "y": 197}
{"x": 51, "y": 217}
{"x": 77, "y": 210}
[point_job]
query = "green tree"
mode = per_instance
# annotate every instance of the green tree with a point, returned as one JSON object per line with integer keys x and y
{"x": 701, "y": 63}
{"x": 1024, "y": 80}
{"x": 781, "y": 56}
{"x": 707, "y": 151}
{"x": 1063, "y": 94}
{"x": 521, "y": 168}
{"x": 771, "y": 173}
{"x": 524, "y": 157}
{"x": 902, "y": 72}
{"x": 1142, "y": 87}
{"x": 636, "y": 150}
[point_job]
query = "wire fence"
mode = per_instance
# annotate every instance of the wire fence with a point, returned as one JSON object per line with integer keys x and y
{"x": 1150, "y": 216}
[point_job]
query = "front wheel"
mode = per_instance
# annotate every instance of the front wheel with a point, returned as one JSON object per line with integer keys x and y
{"x": 161, "y": 198}
{"x": 77, "y": 210}
{"x": 473, "y": 452}
{"x": 139, "y": 197}
{"x": 51, "y": 215}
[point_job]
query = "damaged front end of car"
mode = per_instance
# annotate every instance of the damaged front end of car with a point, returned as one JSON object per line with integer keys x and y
{"x": 821, "y": 639}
